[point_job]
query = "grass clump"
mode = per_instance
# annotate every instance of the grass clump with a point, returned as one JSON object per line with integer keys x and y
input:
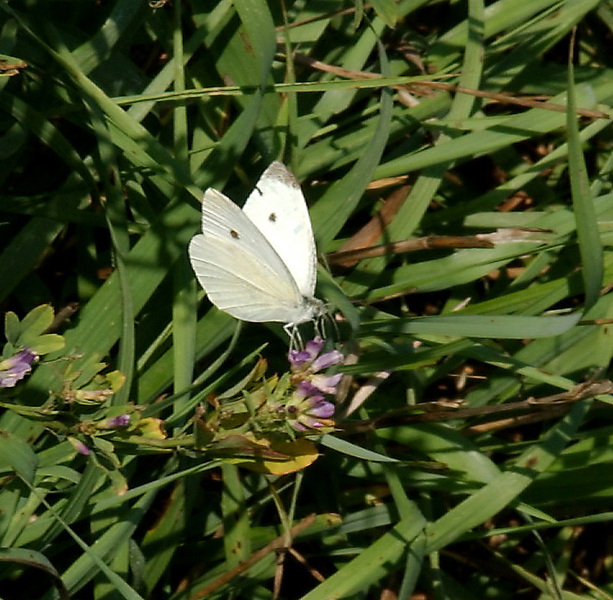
{"x": 457, "y": 166}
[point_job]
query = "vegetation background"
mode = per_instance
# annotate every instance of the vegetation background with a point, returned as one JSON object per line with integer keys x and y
{"x": 472, "y": 456}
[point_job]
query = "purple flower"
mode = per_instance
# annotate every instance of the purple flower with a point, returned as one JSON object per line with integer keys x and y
{"x": 79, "y": 446}
{"x": 327, "y": 360}
{"x": 121, "y": 421}
{"x": 321, "y": 409}
{"x": 16, "y": 368}
{"x": 318, "y": 384}
{"x": 307, "y": 363}
{"x": 300, "y": 357}
{"x": 115, "y": 422}
{"x": 307, "y": 411}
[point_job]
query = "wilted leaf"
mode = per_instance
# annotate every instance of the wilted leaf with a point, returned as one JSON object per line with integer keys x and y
{"x": 292, "y": 456}
{"x": 152, "y": 427}
{"x": 116, "y": 379}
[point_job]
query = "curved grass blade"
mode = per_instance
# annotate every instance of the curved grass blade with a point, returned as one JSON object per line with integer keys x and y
{"x": 32, "y": 558}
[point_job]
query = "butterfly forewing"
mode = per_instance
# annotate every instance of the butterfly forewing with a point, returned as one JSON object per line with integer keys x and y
{"x": 278, "y": 209}
{"x": 239, "y": 269}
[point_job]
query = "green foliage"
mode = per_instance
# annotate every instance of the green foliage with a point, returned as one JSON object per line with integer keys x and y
{"x": 471, "y": 451}
{"x": 30, "y": 333}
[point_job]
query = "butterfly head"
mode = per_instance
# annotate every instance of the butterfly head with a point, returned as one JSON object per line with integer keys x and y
{"x": 310, "y": 309}
{"x": 316, "y": 307}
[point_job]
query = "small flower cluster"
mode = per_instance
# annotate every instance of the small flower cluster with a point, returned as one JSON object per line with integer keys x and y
{"x": 118, "y": 422}
{"x": 307, "y": 409}
{"x": 150, "y": 427}
{"x": 16, "y": 367}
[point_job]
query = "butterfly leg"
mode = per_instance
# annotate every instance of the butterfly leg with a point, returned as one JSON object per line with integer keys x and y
{"x": 295, "y": 339}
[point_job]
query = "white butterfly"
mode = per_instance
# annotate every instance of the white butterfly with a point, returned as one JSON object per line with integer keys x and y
{"x": 259, "y": 264}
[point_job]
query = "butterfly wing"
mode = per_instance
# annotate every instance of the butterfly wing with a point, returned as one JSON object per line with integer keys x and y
{"x": 240, "y": 271}
{"x": 279, "y": 211}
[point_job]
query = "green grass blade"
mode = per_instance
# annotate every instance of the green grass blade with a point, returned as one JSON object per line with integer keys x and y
{"x": 506, "y": 487}
{"x": 590, "y": 245}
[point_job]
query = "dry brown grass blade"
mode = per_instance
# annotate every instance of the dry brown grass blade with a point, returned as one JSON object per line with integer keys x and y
{"x": 505, "y": 235}
{"x": 502, "y": 98}
{"x": 373, "y": 230}
{"x": 350, "y": 257}
{"x": 534, "y": 409}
